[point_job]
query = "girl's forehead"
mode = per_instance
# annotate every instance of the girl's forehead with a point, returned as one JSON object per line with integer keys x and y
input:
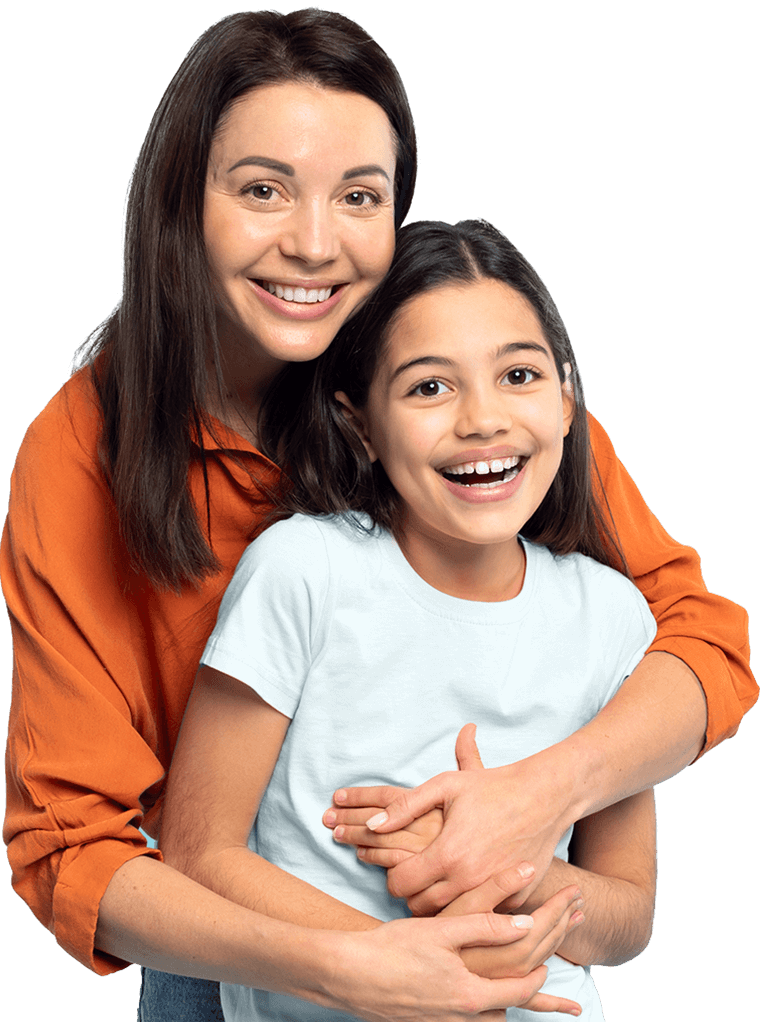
{"x": 462, "y": 319}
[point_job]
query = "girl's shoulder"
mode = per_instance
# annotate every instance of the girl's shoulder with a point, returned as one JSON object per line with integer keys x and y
{"x": 311, "y": 548}
{"x": 580, "y": 581}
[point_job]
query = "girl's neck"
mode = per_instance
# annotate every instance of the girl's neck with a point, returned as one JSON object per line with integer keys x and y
{"x": 484, "y": 574}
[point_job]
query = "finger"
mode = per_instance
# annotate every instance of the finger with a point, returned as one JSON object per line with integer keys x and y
{"x": 466, "y": 749}
{"x": 385, "y": 857}
{"x": 349, "y": 817}
{"x": 380, "y": 795}
{"x": 403, "y": 839}
{"x": 483, "y": 929}
{"x": 428, "y": 901}
{"x": 410, "y": 804}
{"x": 493, "y": 891}
{"x": 547, "y": 1002}
{"x": 508, "y": 993}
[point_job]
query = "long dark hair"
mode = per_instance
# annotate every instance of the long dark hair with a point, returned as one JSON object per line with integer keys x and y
{"x": 327, "y": 466}
{"x": 150, "y": 357}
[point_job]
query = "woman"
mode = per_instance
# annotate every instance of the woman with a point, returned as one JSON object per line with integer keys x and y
{"x": 112, "y": 586}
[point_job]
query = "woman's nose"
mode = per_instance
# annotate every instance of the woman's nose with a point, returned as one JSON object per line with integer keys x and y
{"x": 484, "y": 413}
{"x": 311, "y": 235}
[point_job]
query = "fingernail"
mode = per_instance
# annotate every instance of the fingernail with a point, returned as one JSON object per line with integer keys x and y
{"x": 330, "y": 817}
{"x": 338, "y": 833}
{"x": 577, "y": 918}
{"x": 377, "y": 820}
{"x": 526, "y": 869}
{"x": 523, "y": 922}
{"x": 340, "y": 795}
{"x": 361, "y": 852}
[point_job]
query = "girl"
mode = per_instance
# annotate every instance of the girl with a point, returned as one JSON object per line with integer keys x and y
{"x": 448, "y": 560}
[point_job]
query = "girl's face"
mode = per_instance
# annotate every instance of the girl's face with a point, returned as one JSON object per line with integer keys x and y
{"x": 467, "y": 415}
{"x": 298, "y": 218}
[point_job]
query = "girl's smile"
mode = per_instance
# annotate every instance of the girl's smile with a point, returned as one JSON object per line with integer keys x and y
{"x": 467, "y": 414}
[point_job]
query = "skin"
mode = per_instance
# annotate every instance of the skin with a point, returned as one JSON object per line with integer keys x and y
{"x": 299, "y": 192}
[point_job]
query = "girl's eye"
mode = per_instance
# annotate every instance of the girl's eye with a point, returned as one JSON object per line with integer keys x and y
{"x": 519, "y": 377}
{"x": 430, "y": 388}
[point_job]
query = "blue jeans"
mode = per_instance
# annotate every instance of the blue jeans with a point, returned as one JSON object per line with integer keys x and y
{"x": 168, "y": 998}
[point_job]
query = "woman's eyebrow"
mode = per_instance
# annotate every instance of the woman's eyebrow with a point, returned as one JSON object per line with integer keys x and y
{"x": 289, "y": 171}
{"x": 264, "y": 161}
{"x": 366, "y": 168}
{"x": 506, "y": 349}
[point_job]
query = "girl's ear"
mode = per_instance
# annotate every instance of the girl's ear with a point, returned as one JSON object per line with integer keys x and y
{"x": 356, "y": 420}
{"x": 568, "y": 399}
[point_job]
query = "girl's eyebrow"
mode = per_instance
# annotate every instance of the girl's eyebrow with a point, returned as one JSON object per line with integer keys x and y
{"x": 506, "y": 349}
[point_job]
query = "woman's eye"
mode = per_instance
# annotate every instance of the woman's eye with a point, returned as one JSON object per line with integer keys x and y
{"x": 519, "y": 377}
{"x": 261, "y": 192}
{"x": 361, "y": 198}
{"x": 430, "y": 388}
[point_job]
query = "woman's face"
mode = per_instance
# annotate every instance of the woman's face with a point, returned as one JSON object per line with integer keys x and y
{"x": 298, "y": 218}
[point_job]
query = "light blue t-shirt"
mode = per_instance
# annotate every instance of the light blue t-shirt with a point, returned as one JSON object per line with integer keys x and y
{"x": 378, "y": 671}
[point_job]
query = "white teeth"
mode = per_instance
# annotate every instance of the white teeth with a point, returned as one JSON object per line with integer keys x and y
{"x": 298, "y": 294}
{"x": 482, "y": 468}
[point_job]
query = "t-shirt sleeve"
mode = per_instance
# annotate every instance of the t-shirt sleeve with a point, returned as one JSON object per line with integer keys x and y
{"x": 274, "y": 613}
{"x": 630, "y": 629}
{"x": 707, "y": 632}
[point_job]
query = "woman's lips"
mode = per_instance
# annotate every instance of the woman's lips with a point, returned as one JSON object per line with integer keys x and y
{"x": 294, "y": 309}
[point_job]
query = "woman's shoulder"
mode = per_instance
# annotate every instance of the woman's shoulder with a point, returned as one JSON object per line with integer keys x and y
{"x": 67, "y": 428}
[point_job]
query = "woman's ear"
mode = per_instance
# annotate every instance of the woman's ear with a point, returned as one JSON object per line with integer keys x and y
{"x": 568, "y": 399}
{"x": 356, "y": 420}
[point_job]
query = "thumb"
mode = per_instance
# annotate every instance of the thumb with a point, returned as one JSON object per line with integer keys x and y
{"x": 466, "y": 749}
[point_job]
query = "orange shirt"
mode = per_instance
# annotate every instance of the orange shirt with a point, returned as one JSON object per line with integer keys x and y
{"x": 104, "y": 663}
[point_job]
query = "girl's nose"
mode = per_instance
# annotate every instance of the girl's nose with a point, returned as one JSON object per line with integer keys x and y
{"x": 311, "y": 235}
{"x": 484, "y": 414}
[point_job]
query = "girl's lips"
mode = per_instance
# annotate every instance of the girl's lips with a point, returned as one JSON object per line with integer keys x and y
{"x": 485, "y": 494}
{"x": 298, "y": 310}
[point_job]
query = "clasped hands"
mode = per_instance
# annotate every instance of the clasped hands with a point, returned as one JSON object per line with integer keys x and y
{"x": 450, "y": 848}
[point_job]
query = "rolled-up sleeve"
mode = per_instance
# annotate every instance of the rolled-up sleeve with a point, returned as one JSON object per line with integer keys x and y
{"x": 707, "y": 632}
{"x": 79, "y": 757}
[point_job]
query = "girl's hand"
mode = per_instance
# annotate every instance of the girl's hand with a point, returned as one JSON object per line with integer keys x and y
{"x": 550, "y": 925}
{"x": 385, "y": 850}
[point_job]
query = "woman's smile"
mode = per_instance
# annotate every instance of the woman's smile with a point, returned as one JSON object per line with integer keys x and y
{"x": 298, "y": 222}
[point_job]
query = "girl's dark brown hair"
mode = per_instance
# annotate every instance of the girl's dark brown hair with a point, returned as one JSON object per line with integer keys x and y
{"x": 327, "y": 465}
{"x": 150, "y": 357}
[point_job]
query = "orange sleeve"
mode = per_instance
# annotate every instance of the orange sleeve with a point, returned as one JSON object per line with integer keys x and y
{"x": 707, "y": 632}
{"x": 76, "y": 762}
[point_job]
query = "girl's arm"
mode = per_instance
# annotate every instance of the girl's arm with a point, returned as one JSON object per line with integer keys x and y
{"x": 228, "y": 746}
{"x": 613, "y": 857}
